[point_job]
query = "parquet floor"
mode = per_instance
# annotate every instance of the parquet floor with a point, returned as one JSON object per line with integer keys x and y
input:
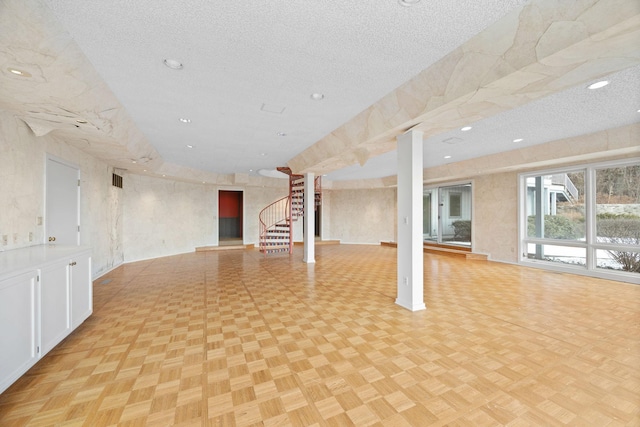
{"x": 234, "y": 339}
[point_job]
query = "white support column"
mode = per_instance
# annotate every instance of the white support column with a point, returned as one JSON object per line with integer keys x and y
{"x": 309, "y": 218}
{"x": 410, "y": 245}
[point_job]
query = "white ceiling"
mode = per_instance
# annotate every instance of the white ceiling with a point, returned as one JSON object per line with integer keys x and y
{"x": 573, "y": 112}
{"x": 238, "y": 56}
{"x": 250, "y": 68}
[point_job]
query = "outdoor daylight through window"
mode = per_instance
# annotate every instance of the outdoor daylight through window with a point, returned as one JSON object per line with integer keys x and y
{"x": 586, "y": 218}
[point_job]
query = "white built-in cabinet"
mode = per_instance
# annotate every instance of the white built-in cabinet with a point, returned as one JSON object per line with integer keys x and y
{"x": 45, "y": 293}
{"x": 18, "y": 326}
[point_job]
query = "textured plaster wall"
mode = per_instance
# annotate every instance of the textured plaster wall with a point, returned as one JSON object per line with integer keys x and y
{"x": 166, "y": 217}
{"x": 256, "y": 199}
{"x": 496, "y": 216}
{"x": 325, "y": 217}
{"x": 22, "y": 188}
{"x": 363, "y": 216}
{"x": 22, "y": 160}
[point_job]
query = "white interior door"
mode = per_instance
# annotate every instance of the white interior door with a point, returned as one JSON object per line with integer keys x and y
{"x": 62, "y": 203}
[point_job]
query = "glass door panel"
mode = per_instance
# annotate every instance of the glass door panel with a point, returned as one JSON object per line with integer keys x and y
{"x": 430, "y": 215}
{"x": 455, "y": 215}
{"x": 447, "y": 215}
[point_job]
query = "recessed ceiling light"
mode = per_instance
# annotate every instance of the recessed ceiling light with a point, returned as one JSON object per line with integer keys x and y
{"x": 20, "y": 73}
{"x": 317, "y": 96}
{"x": 598, "y": 85}
{"x": 173, "y": 64}
{"x": 407, "y": 3}
{"x": 144, "y": 170}
{"x": 263, "y": 154}
{"x": 447, "y": 157}
{"x": 466, "y": 128}
{"x": 189, "y": 146}
{"x": 133, "y": 161}
{"x": 183, "y": 120}
{"x": 164, "y": 175}
{"x": 518, "y": 140}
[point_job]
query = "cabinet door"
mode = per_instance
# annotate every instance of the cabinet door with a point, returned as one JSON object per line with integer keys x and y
{"x": 54, "y": 303}
{"x": 18, "y": 327}
{"x": 81, "y": 290}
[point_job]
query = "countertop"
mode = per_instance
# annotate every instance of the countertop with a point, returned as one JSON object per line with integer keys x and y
{"x": 17, "y": 261}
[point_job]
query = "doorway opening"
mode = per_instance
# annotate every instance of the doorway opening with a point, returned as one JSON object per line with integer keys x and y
{"x": 446, "y": 215}
{"x": 230, "y": 217}
{"x": 317, "y": 225}
{"x": 62, "y": 202}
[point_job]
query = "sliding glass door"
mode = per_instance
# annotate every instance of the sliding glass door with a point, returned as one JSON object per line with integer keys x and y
{"x": 447, "y": 214}
{"x": 430, "y": 215}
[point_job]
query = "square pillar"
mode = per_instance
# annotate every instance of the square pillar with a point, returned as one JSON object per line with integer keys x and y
{"x": 309, "y": 219}
{"x": 410, "y": 244}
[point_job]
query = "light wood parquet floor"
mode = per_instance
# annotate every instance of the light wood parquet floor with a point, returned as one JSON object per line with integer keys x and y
{"x": 234, "y": 339}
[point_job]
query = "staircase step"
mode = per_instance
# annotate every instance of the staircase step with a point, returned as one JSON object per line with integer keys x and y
{"x": 278, "y": 237}
{"x": 274, "y": 248}
{"x": 462, "y": 252}
{"x": 274, "y": 251}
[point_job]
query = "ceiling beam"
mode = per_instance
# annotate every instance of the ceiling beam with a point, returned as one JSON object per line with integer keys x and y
{"x": 539, "y": 49}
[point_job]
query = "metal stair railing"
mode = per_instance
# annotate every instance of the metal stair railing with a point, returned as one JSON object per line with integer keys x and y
{"x": 283, "y": 212}
{"x": 272, "y": 216}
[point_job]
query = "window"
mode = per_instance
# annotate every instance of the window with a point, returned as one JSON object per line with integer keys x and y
{"x": 618, "y": 218}
{"x": 455, "y": 205}
{"x": 584, "y": 219}
{"x": 555, "y": 206}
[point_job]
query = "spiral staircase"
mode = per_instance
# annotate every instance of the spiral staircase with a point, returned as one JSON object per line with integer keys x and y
{"x": 276, "y": 220}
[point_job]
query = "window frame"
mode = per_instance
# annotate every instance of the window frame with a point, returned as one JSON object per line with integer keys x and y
{"x": 590, "y": 243}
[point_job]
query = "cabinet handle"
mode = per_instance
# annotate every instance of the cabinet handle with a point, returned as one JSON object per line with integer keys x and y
{"x": 72, "y": 263}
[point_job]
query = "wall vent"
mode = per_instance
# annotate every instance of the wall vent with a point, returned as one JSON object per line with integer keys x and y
{"x": 116, "y": 180}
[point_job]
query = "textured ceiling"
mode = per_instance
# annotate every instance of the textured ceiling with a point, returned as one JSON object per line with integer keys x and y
{"x": 573, "y": 112}
{"x": 250, "y": 68}
{"x": 238, "y": 56}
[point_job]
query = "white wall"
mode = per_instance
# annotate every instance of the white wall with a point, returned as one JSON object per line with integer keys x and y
{"x": 22, "y": 161}
{"x": 165, "y": 217}
{"x": 153, "y": 217}
{"x": 495, "y": 216}
{"x": 363, "y": 216}
{"x": 256, "y": 199}
{"x": 149, "y": 217}
{"x": 22, "y": 184}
